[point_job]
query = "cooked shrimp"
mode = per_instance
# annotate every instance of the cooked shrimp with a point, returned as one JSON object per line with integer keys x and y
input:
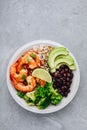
{"x": 26, "y": 88}
{"x": 17, "y": 76}
{"x": 21, "y": 70}
{"x": 28, "y": 59}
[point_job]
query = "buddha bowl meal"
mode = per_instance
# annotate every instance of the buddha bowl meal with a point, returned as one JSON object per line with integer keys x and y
{"x": 43, "y": 75}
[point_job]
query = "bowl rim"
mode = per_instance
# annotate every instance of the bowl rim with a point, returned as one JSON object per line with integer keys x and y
{"x": 16, "y": 55}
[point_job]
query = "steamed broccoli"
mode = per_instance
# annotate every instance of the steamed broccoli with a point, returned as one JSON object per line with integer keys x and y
{"x": 47, "y": 95}
{"x": 43, "y": 103}
{"x": 42, "y": 92}
{"x": 20, "y": 94}
{"x": 56, "y": 98}
{"x": 30, "y": 98}
{"x": 43, "y": 96}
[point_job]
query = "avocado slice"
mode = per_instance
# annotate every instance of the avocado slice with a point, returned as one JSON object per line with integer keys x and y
{"x": 52, "y": 70}
{"x": 62, "y": 56}
{"x": 72, "y": 67}
{"x": 55, "y": 53}
{"x": 66, "y": 59}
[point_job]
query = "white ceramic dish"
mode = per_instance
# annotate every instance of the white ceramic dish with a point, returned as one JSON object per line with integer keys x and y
{"x": 51, "y": 108}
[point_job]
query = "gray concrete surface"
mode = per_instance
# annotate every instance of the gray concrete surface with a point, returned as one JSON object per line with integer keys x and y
{"x": 22, "y": 21}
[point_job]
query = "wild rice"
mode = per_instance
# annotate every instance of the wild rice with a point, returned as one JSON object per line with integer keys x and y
{"x": 43, "y": 52}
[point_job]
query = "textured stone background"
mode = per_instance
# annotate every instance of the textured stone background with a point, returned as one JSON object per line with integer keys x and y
{"x": 22, "y": 21}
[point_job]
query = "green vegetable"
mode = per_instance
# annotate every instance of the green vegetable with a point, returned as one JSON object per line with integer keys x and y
{"x": 23, "y": 77}
{"x": 42, "y": 92}
{"x": 33, "y": 55}
{"x": 56, "y": 98}
{"x": 43, "y": 96}
{"x": 30, "y": 98}
{"x": 26, "y": 98}
{"x": 20, "y": 94}
{"x": 28, "y": 59}
{"x": 31, "y": 104}
{"x": 46, "y": 95}
{"x": 43, "y": 103}
{"x": 29, "y": 83}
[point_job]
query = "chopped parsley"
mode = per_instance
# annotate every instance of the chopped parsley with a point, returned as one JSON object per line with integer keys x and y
{"x": 33, "y": 55}
{"x": 28, "y": 59}
{"x": 29, "y": 83}
{"x": 23, "y": 77}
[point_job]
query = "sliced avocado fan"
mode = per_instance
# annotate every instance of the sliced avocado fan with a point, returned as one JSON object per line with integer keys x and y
{"x": 65, "y": 59}
{"x": 55, "y": 53}
{"x": 59, "y": 56}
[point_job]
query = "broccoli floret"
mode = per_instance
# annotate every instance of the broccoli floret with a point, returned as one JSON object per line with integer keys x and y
{"x": 31, "y": 103}
{"x": 20, "y": 94}
{"x": 30, "y": 98}
{"x": 56, "y": 98}
{"x": 31, "y": 95}
{"x": 49, "y": 86}
{"x": 26, "y": 98}
{"x": 43, "y": 103}
{"x": 43, "y": 96}
{"x": 40, "y": 92}
{"x": 43, "y": 91}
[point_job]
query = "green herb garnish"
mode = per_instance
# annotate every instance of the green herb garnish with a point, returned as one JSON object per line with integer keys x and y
{"x": 28, "y": 59}
{"x": 23, "y": 77}
{"x": 33, "y": 55}
{"x": 29, "y": 83}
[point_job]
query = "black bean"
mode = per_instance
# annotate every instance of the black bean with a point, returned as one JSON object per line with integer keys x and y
{"x": 63, "y": 66}
{"x": 59, "y": 75}
{"x": 55, "y": 74}
{"x": 59, "y": 90}
{"x": 59, "y": 69}
{"x": 54, "y": 86}
{"x": 64, "y": 83}
{"x": 58, "y": 72}
{"x": 62, "y": 80}
{"x": 63, "y": 88}
{"x": 68, "y": 75}
{"x": 64, "y": 74}
{"x": 65, "y": 94}
{"x": 70, "y": 71}
{"x": 68, "y": 79}
{"x": 71, "y": 75}
{"x": 68, "y": 83}
{"x": 68, "y": 90}
{"x": 61, "y": 93}
{"x": 66, "y": 70}
{"x": 59, "y": 85}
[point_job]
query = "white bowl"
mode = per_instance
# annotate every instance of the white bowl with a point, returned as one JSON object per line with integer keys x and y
{"x": 51, "y": 108}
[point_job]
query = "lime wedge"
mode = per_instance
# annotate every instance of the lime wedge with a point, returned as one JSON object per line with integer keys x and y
{"x": 42, "y": 74}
